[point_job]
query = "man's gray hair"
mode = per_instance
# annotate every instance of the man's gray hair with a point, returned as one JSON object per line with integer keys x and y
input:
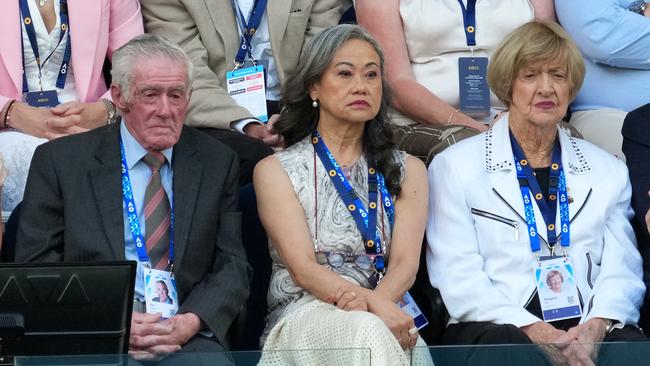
{"x": 145, "y": 46}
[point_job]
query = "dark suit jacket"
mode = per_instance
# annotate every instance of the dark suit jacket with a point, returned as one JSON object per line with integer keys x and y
{"x": 73, "y": 212}
{"x": 636, "y": 146}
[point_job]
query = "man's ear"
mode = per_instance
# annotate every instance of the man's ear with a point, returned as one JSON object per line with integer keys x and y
{"x": 118, "y": 98}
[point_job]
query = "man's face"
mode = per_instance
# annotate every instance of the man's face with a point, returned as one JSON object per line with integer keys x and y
{"x": 158, "y": 99}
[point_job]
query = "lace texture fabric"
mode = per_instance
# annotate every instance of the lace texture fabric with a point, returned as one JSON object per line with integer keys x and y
{"x": 300, "y": 322}
{"x": 17, "y": 149}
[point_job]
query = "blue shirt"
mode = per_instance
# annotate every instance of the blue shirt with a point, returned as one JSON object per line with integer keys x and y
{"x": 139, "y": 173}
{"x": 615, "y": 43}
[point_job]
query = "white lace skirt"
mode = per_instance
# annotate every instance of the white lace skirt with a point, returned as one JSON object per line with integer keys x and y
{"x": 17, "y": 149}
{"x": 320, "y": 334}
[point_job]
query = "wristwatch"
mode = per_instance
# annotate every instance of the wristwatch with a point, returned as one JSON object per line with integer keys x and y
{"x": 110, "y": 110}
{"x": 638, "y": 7}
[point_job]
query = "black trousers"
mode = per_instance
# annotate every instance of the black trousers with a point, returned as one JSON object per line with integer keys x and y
{"x": 485, "y": 333}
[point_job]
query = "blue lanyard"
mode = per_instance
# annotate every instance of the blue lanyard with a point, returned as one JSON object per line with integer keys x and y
{"x": 134, "y": 222}
{"x": 249, "y": 29}
{"x": 469, "y": 21}
{"x": 531, "y": 191}
{"x": 366, "y": 220}
{"x": 31, "y": 34}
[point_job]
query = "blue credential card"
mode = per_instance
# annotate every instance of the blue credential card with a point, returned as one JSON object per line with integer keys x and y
{"x": 474, "y": 91}
{"x": 47, "y": 98}
{"x": 408, "y": 305}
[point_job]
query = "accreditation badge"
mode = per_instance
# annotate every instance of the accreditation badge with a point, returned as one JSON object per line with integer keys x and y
{"x": 474, "y": 91}
{"x": 46, "y": 98}
{"x": 247, "y": 88}
{"x": 160, "y": 292}
{"x": 557, "y": 289}
{"x": 408, "y": 305}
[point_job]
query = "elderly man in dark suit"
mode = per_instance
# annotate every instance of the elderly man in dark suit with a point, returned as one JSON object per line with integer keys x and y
{"x": 101, "y": 196}
{"x": 636, "y": 146}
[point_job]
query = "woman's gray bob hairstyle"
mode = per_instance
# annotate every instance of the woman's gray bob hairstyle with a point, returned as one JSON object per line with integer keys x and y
{"x": 142, "y": 47}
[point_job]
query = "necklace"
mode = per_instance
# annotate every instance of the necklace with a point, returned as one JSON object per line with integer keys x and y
{"x": 41, "y": 3}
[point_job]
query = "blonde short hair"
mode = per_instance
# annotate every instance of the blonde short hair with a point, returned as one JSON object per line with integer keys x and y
{"x": 530, "y": 44}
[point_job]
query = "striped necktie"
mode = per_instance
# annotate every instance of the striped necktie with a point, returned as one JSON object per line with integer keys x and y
{"x": 157, "y": 214}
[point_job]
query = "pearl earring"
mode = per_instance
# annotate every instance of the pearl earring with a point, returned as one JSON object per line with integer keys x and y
{"x": 314, "y": 103}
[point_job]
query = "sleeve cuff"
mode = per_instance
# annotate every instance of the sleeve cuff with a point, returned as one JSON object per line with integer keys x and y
{"x": 239, "y": 125}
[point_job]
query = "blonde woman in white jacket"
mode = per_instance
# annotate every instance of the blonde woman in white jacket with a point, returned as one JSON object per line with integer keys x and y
{"x": 502, "y": 202}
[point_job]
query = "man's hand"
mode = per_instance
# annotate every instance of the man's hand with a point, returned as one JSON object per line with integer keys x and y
{"x": 152, "y": 338}
{"x": 265, "y": 132}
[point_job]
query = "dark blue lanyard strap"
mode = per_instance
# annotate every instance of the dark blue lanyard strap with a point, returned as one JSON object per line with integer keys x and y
{"x": 31, "y": 34}
{"x": 132, "y": 215}
{"x": 366, "y": 221}
{"x": 469, "y": 21}
{"x": 248, "y": 29}
{"x": 531, "y": 191}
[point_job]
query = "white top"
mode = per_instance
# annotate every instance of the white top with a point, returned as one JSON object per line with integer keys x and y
{"x": 47, "y": 44}
{"x": 435, "y": 38}
{"x": 261, "y": 44}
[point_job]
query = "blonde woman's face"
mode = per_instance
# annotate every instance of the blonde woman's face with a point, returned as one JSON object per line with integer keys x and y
{"x": 541, "y": 94}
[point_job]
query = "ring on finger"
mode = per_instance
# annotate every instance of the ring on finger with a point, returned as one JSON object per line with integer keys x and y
{"x": 413, "y": 331}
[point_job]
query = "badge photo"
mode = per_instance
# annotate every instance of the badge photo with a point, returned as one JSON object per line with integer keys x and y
{"x": 160, "y": 293}
{"x": 557, "y": 290}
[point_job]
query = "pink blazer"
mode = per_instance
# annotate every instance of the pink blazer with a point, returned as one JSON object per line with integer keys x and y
{"x": 97, "y": 28}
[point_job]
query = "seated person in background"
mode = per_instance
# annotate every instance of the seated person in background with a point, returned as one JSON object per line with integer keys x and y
{"x": 614, "y": 38}
{"x": 340, "y": 166}
{"x": 502, "y": 202}
{"x": 424, "y": 41}
{"x": 90, "y": 31}
{"x": 180, "y": 182}
{"x": 636, "y": 146}
{"x": 211, "y": 34}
